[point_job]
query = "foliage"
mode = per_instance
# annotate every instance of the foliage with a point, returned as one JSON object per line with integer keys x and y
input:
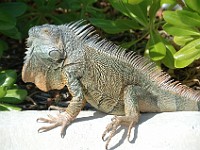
{"x": 9, "y": 92}
{"x": 8, "y": 21}
{"x": 141, "y": 15}
{"x": 56, "y": 12}
{"x": 184, "y": 26}
{"x": 25, "y": 14}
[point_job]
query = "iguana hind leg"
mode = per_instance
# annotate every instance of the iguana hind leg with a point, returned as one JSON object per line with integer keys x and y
{"x": 131, "y": 115}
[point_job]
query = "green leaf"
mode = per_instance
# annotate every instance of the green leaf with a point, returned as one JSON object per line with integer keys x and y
{"x": 189, "y": 18}
{"x": 180, "y": 31}
{"x": 157, "y": 50}
{"x": 13, "y": 33}
{"x": 52, "y": 3}
{"x": 8, "y": 78}
{"x": 187, "y": 54}
{"x": 14, "y": 8}
{"x": 137, "y": 12}
{"x": 8, "y": 107}
{"x": 182, "y": 40}
{"x": 3, "y": 47}
{"x": 3, "y": 91}
{"x": 14, "y": 96}
{"x": 14, "y": 86}
{"x": 39, "y": 2}
{"x": 171, "y": 17}
{"x": 133, "y": 2}
{"x": 7, "y": 21}
{"x": 169, "y": 57}
{"x": 193, "y": 4}
{"x": 116, "y": 26}
{"x": 153, "y": 9}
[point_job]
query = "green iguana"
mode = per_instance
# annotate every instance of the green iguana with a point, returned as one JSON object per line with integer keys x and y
{"x": 101, "y": 73}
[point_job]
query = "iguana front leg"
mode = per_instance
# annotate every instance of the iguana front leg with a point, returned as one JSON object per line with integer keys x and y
{"x": 131, "y": 115}
{"x": 63, "y": 119}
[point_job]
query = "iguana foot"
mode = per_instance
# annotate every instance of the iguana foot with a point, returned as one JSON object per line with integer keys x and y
{"x": 63, "y": 120}
{"x": 117, "y": 121}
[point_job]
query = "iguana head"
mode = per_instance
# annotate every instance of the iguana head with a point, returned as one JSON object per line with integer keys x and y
{"x": 44, "y": 58}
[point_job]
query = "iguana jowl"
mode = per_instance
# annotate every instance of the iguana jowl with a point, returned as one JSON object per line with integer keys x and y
{"x": 101, "y": 73}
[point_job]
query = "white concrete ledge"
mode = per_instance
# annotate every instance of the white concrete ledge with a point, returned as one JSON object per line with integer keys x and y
{"x": 163, "y": 131}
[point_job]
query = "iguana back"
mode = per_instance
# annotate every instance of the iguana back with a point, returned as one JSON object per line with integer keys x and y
{"x": 109, "y": 70}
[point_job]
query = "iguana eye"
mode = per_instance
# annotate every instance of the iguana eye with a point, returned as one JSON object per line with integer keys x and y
{"x": 55, "y": 55}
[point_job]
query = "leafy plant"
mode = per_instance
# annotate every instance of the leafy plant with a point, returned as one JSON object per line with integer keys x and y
{"x": 9, "y": 92}
{"x": 8, "y": 21}
{"x": 26, "y": 13}
{"x": 56, "y": 12}
{"x": 184, "y": 26}
{"x": 141, "y": 15}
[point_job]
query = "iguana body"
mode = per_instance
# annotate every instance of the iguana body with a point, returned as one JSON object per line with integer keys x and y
{"x": 101, "y": 73}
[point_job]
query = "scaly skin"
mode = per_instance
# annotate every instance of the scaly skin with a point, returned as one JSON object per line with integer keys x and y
{"x": 101, "y": 73}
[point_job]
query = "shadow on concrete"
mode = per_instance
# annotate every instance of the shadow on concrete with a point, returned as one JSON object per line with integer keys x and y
{"x": 143, "y": 118}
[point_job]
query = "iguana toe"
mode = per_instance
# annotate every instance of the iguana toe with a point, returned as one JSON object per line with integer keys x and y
{"x": 111, "y": 127}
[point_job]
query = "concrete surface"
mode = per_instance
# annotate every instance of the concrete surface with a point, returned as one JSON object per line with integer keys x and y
{"x": 163, "y": 131}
